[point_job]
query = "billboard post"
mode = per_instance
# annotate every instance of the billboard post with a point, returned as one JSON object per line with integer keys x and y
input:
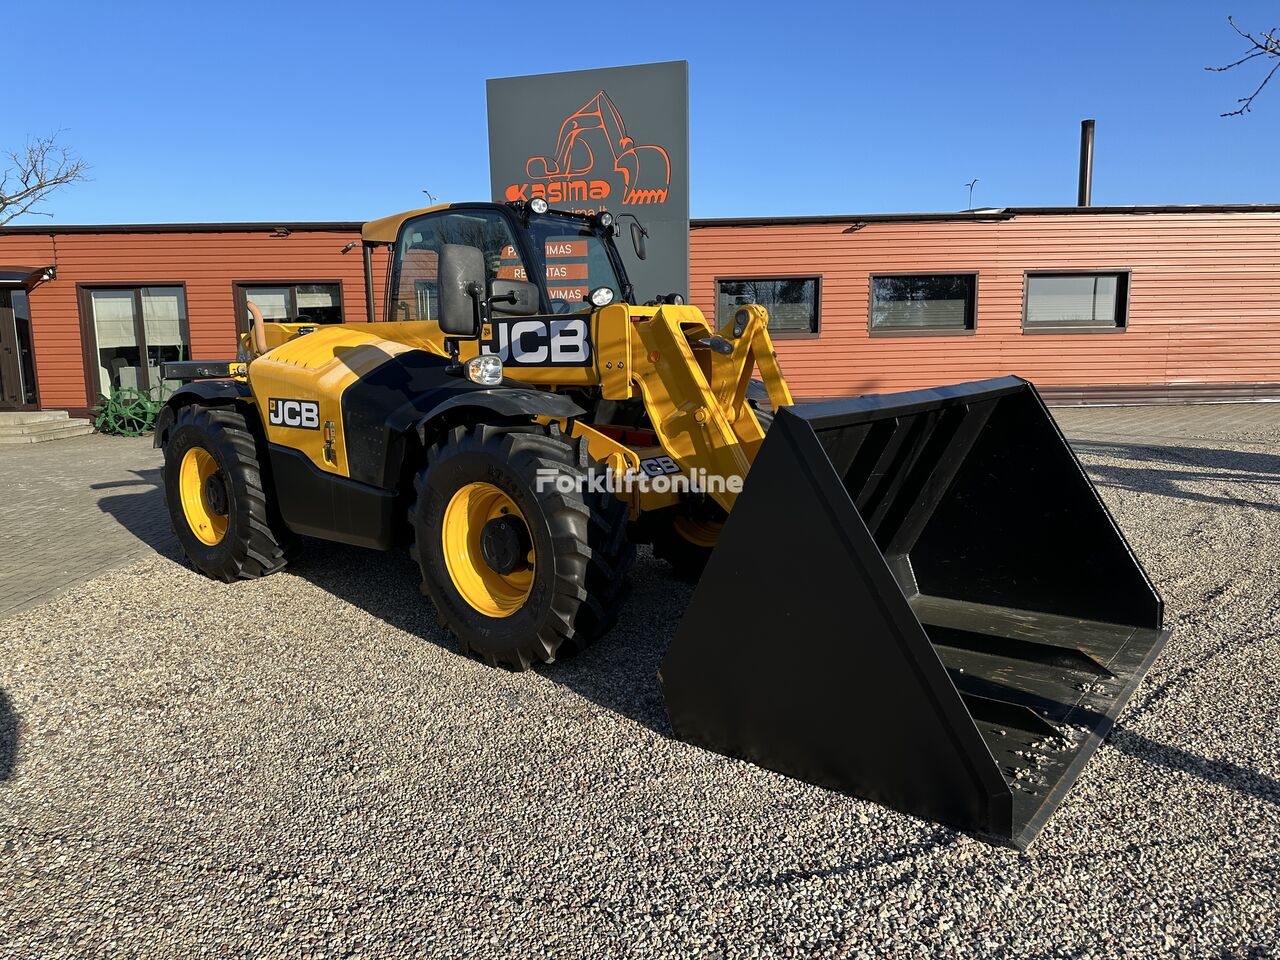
{"x": 614, "y": 139}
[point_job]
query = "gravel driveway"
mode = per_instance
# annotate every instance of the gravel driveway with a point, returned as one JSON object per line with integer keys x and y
{"x": 302, "y": 766}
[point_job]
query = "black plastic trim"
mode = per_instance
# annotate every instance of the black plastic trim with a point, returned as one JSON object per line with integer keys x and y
{"x": 188, "y": 370}
{"x": 207, "y": 390}
{"x": 318, "y": 504}
{"x": 217, "y": 393}
{"x": 411, "y": 390}
{"x": 509, "y": 402}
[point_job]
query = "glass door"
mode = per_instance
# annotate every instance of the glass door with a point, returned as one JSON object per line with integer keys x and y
{"x": 136, "y": 329}
{"x": 116, "y": 329}
{"x": 17, "y": 361}
{"x": 164, "y": 327}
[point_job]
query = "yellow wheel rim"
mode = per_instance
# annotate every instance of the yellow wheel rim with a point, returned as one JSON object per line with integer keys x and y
{"x": 492, "y": 593}
{"x": 701, "y": 533}
{"x": 194, "y": 472}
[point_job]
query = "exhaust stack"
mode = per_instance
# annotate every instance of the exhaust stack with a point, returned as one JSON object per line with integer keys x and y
{"x": 1085, "y": 196}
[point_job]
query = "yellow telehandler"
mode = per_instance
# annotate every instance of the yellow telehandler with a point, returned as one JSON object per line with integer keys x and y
{"x": 918, "y": 598}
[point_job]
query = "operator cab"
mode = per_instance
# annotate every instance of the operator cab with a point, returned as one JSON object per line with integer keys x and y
{"x": 530, "y": 260}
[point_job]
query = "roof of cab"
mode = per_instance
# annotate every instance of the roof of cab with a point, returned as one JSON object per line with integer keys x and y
{"x": 386, "y": 229}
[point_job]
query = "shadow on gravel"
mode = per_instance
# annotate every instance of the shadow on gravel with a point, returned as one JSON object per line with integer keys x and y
{"x": 140, "y": 509}
{"x": 1255, "y": 951}
{"x": 8, "y": 737}
{"x": 384, "y": 584}
{"x": 1220, "y": 772}
{"x": 937, "y": 840}
{"x": 1192, "y": 465}
{"x": 618, "y": 672}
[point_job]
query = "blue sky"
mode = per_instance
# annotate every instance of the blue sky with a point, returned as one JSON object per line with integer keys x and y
{"x": 319, "y": 111}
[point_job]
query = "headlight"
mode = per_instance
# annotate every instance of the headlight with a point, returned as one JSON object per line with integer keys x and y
{"x": 605, "y": 219}
{"x": 602, "y": 296}
{"x": 538, "y": 205}
{"x": 485, "y": 370}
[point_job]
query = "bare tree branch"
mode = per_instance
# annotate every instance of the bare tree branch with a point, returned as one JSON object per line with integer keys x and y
{"x": 1265, "y": 44}
{"x": 33, "y": 173}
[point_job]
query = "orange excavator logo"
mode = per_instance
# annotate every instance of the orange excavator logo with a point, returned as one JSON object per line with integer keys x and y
{"x": 566, "y": 177}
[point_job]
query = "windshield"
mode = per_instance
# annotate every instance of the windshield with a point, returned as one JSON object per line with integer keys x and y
{"x": 575, "y": 260}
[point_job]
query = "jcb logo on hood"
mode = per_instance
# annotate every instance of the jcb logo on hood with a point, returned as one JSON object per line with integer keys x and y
{"x": 293, "y": 413}
{"x": 541, "y": 342}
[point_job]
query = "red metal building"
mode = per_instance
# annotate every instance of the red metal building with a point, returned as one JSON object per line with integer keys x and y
{"x": 1088, "y": 302}
{"x": 1096, "y": 303}
{"x": 108, "y": 304}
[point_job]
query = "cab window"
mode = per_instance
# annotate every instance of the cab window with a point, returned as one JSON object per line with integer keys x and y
{"x": 415, "y": 290}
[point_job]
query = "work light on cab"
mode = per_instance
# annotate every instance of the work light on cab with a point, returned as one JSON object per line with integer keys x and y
{"x": 602, "y": 296}
{"x": 538, "y": 205}
{"x": 485, "y": 369}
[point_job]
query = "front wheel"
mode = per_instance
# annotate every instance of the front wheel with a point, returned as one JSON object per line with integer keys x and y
{"x": 217, "y": 500}
{"x": 522, "y": 559}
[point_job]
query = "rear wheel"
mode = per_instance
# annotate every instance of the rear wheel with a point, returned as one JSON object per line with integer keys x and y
{"x": 216, "y": 496}
{"x": 685, "y": 540}
{"x": 521, "y": 560}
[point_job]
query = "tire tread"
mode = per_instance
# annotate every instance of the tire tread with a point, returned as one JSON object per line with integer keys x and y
{"x": 592, "y": 552}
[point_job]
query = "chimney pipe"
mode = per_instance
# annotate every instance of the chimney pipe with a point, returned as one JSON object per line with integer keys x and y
{"x": 1085, "y": 196}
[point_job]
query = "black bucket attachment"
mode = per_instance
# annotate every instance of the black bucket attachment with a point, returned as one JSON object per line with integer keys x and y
{"x": 918, "y": 598}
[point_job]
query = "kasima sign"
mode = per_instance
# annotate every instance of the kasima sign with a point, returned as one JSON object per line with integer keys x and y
{"x": 615, "y": 139}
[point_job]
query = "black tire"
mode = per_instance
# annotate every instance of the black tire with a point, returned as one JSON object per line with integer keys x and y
{"x": 255, "y": 541}
{"x": 578, "y": 538}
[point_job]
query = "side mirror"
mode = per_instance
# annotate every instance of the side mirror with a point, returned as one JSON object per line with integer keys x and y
{"x": 637, "y": 239}
{"x": 461, "y": 274}
{"x": 515, "y": 298}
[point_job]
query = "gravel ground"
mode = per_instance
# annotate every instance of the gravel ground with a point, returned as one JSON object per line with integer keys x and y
{"x": 302, "y": 766}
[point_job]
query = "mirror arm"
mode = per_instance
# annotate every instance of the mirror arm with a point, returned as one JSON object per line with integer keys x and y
{"x": 480, "y": 303}
{"x": 643, "y": 231}
{"x": 454, "y": 344}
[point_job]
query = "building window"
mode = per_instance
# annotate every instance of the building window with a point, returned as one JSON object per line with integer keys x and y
{"x": 428, "y": 299}
{"x": 291, "y": 302}
{"x": 792, "y": 302}
{"x": 133, "y": 330}
{"x": 1076, "y": 301}
{"x": 923, "y": 303}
